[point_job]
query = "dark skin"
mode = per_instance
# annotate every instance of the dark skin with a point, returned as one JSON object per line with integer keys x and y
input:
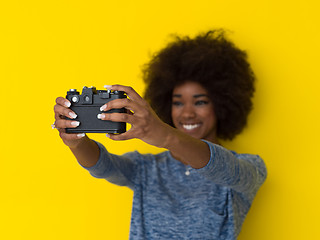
{"x": 183, "y": 142}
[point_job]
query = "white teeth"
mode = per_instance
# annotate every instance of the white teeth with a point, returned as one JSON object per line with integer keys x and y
{"x": 190, "y": 126}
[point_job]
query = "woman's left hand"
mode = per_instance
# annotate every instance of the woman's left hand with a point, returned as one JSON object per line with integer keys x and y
{"x": 145, "y": 124}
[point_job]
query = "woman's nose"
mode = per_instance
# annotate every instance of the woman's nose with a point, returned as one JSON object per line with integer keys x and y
{"x": 188, "y": 112}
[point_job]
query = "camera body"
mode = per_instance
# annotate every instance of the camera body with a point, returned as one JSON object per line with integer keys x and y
{"x": 87, "y": 107}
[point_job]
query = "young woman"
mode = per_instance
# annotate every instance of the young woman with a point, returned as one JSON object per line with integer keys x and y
{"x": 199, "y": 90}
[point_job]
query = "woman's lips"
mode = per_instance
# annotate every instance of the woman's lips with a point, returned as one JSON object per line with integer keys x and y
{"x": 190, "y": 127}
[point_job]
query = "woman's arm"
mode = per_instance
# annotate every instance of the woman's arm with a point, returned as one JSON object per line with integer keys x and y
{"x": 147, "y": 126}
{"x": 92, "y": 155}
{"x": 84, "y": 149}
{"x": 188, "y": 150}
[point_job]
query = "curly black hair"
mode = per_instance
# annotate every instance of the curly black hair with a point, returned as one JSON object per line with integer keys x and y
{"x": 213, "y": 61}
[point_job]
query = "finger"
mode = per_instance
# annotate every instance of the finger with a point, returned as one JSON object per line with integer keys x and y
{"x": 120, "y": 103}
{"x": 131, "y": 93}
{"x": 58, "y": 116}
{"x": 120, "y": 137}
{"x": 71, "y": 136}
{"x": 63, "y": 102}
{"x": 61, "y": 123}
{"x": 129, "y": 112}
{"x": 117, "y": 117}
{"x": 63, "y": 111}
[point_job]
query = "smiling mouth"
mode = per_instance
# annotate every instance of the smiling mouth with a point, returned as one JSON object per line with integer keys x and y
{"x": 190, "y": 126}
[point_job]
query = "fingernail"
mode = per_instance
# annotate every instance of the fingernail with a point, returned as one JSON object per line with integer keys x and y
{"x": 72, "y": 115}
{"x": 103, "y": 107}
{"x": 99, "y": 116}
{"x": 107, "y": 86}
{"x": 108, "y": 135}
{"x": 75, "y": 123}
{"x": 67, "y": 104}
{"x": 80, "y": 135}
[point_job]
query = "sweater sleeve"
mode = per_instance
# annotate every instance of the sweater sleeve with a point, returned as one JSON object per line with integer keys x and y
{"x": 120, "y": 170}
{"x": 241, "y": 172}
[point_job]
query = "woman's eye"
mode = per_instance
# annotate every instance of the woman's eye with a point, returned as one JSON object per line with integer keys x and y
{"x": 201, "y": 102}
{"x": 176, "y": 103}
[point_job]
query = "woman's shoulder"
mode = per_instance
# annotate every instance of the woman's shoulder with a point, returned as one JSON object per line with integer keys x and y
{"x": 223, "y": 152}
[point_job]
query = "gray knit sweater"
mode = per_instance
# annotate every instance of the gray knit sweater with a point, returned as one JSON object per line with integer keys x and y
{"x": 174, "y": 201}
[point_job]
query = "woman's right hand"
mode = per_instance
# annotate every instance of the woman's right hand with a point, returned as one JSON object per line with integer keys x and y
{"x": 61, "y": 111}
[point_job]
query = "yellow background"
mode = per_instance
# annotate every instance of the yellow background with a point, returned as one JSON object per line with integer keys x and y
{"x": 48, "y": 47}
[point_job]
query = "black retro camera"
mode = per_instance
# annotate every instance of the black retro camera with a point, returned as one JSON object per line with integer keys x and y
{"x": 87, "y": 107}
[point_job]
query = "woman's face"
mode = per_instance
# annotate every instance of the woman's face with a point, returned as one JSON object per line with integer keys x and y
{"x": 192, "y": 111}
